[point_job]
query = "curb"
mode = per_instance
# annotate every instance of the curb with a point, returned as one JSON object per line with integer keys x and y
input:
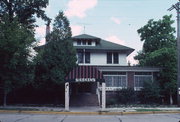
{"x": 86, "y": 113}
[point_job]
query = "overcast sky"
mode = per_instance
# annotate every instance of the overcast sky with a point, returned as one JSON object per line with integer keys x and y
{"x": 113, "y": 20}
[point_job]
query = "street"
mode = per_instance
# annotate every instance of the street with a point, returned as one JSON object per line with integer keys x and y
{"x": 89, "y": 118}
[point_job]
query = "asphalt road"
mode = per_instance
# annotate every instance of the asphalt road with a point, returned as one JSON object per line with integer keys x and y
{"x": 89, "y": 118}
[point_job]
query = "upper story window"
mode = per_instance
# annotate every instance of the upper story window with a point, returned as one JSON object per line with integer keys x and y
{"x": 112, "y": 58}
{"x": 87, "y": 57}
{"x": 84, "y": 42}
{"x": 79, "y": 42}
{"x": 83, "y": 57}
{"x": 80, "y": 57}
{"x": 89, "y": 43}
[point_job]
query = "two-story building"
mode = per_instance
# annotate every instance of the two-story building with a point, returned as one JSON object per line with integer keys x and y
{"x": 102, "y": 68}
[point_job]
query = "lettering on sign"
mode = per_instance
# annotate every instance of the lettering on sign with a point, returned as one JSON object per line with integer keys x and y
{"x": 85, "y": 79}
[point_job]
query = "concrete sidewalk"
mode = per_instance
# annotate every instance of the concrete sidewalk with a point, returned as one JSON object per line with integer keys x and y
{"x": 88, "y": 110}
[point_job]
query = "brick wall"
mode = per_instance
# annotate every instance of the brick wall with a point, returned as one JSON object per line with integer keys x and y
{"x": 130, "y": 79}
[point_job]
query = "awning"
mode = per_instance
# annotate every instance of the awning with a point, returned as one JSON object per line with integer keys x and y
{"x": 85, "y": 74}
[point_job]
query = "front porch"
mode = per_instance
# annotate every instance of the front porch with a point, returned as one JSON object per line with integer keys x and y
{"x": 82, "y": 88}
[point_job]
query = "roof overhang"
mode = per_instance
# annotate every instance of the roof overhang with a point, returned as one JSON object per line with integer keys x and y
{"x": 128, "y": 69}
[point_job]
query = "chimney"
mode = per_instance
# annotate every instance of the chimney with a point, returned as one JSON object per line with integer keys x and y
{"x": 47, "y": 29}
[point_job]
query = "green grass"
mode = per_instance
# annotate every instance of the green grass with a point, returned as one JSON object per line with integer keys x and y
{"x": 144, "y": 110}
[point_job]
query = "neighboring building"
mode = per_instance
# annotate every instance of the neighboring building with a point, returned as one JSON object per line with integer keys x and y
{"x": 100, "y": 60}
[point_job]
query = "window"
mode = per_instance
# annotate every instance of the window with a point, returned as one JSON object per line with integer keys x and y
{"x": 112, "y": 58}
{"x": 87, "y": 57}
{"x": 83, "y": 57}
{"x": 109, "y": 58}
{"x": 115, "y": 58}
{"x": 78, "y": 42}
{"x": 140, "y": 79}
{"x": 89, "y": 43}
{"x": 115, "y": 81}
{"x": 84, "y": 42}
{"x": 80, "y": 57}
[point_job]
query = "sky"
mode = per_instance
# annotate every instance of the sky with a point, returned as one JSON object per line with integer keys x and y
{"x": 113, "y": 20}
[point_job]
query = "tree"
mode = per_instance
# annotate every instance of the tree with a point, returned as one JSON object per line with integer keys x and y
{"x": 15, "y": 43}
{"x": 57, "y": 57}
{"x": 159, "y": 49}
{"x": 24, "y": 10}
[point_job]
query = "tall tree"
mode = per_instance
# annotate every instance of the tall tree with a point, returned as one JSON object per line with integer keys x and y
{"x": 57, "y": 57}
{"x": 25, "y": 10}
{"x": 15, "y": 43}
{"x": 159, "y": 49}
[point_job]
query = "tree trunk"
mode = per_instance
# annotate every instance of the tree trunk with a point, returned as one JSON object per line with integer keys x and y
{"x": 170, "y": 98}
{"x": 5, "y": 99}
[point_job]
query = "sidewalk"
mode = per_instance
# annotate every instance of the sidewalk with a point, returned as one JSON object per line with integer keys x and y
{"x": 88, "y": 110}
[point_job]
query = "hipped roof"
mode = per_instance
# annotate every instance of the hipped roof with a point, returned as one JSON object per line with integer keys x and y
{"x": 102, "y": 44}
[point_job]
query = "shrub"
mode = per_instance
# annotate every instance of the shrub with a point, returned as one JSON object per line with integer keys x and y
{"x": 127, "y": 96}
{"x": 150, "y": 93}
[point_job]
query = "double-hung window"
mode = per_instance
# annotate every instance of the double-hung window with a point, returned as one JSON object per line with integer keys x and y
{"x": 109, "y": 58}
{"x": 83, "y": 57}
{"x": 87, "y": 57}
{"x": 112, "y": 58}
{"x": 140, "y": 78}
{"x": 80, "y": 57}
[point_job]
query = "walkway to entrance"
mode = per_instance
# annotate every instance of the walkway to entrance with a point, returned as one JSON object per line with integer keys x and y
{"x": 85, "y": 80}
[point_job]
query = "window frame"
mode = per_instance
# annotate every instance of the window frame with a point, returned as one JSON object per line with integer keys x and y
{"x": 79, "y": 42}
{"x": 85, "y": 56}
{"x": 113, "y": 83}
{"x": 138, "y": 87}
{"x": 116, "y": 58}
{"x": 109, "y": 57}
{"x": 79, "y": 56}
{"x": 112, "y": 58}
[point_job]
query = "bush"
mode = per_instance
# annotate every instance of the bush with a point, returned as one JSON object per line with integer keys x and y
{"x": 112, "y": 101}
{"x": 150, "y": 93}
{"x": 127, "y": 96}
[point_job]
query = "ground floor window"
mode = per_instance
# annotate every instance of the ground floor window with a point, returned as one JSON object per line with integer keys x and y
{"x": 115, "y": 81}
{"x": 140, "y": 78}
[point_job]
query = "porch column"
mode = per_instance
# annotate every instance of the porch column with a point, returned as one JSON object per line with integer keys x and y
{"x": 67, "y": 96}
{"x": 103, "y": 95}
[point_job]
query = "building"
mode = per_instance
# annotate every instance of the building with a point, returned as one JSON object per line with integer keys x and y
{"x": 102, "y": 70}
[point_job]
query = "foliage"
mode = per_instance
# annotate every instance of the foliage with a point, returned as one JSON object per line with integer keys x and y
{"x": 157, "y": 34}
{"x": 127, "y": 96}
{"x": 150, "y": 93}
{"x": 112, "y": 101}
{"x": 15, "y": 43}
{"x": 24, "y": 10}
{"x": 57, "y": 57}
{"x": 61, "y": 27}
{"x": 159, "y": 49}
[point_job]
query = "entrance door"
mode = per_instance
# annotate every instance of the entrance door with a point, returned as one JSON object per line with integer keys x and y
{"x": 84, "y": 88}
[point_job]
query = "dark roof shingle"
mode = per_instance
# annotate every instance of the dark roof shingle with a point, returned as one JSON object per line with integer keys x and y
{"x": 103, "y": 45}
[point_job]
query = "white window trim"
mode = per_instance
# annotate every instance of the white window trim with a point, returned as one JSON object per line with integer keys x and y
{"x": 139, "y": 88}
{"x": 81, "y": 44}
{"x": 115, "y": 88}
{"x": 84, "y": 58}
{"x": 112, "y": 58}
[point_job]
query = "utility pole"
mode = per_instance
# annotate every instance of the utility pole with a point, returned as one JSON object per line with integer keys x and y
{"x": 177, "y": 7}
